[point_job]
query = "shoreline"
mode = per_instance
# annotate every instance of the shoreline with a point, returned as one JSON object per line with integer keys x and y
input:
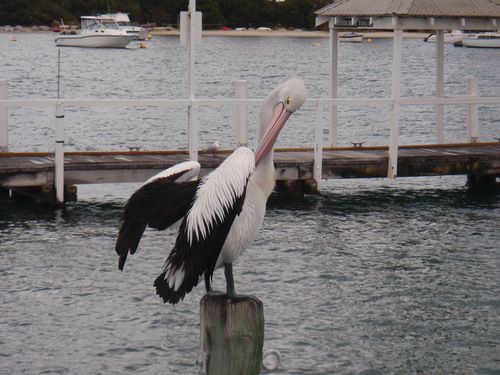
{"x": 252, "y": 33}
{"x": 289, "y": 34}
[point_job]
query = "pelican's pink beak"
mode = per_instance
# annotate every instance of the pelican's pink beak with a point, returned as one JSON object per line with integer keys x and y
{"x": 281, "y": 114}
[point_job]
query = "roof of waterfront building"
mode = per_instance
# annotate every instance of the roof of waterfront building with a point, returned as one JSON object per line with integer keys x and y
{"x": 416, "y": 8}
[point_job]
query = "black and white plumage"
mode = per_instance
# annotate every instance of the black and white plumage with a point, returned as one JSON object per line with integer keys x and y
{"x": 221, "y": 213}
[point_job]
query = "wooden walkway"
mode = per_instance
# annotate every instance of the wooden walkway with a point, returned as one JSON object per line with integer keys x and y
{"x": 37, "y": 169}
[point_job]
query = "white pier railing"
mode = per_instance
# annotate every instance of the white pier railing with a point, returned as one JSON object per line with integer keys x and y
{"x": 240, "y": 104}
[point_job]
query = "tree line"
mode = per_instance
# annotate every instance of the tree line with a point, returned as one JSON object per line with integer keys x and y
{"x": 226, "y": 13}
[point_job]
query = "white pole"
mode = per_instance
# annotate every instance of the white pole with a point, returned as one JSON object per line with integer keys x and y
{"x": 241, "y": 114}
{"x": 472, "y": 112}
{"x": 334, "y": 49}
{"x": 440, "y": 85}
{"x": 318, "y": 149}
{"x": 59, "y": 154}
{"x": 392, "y": 168}
{"x": 4, "y": 119}
{"x": 192, "y": 108}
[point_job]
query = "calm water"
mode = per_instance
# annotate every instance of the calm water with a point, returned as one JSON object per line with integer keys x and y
{"x": 371, "y": 277}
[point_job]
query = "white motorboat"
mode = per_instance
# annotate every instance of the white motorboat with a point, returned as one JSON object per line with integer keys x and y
{"x": 123, "y": 21}
{"x": 351, "y": 37}
{"x": 483, "y": 40}
{"x": 455, "y": 36}
{"x": 96, "y": 32}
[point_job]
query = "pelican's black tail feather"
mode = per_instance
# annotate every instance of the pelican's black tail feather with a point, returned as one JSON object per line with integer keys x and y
{"x": 170, "y": 295}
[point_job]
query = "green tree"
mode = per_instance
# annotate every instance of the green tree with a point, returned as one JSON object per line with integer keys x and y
{"x": 297, "y": 13}
{"x": 247, "y": 13}
{"x": 233, "y": 13}
{"x": 212, "y": 14}
{"x": 14, "y": 12}
{"x": 160, "y": 11}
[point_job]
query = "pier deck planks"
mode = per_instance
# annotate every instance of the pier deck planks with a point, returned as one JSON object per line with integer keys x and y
{"x": 36, "y": 169}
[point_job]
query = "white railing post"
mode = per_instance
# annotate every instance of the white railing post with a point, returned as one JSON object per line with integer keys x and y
{"x": 59, "y": 154}
{"x": 193, "y": 130}
{"x": 191, "y": 36}
{"x": 472, "y": 112}
{"x": 241, "y": 114}
{"x": 192, "y": 110}
{"x": 392, "y": 168}
{"x": 4, "y": 119}
{"x": 318, "y": 148}
{"x": 334, "y": 62}
{"x": 440, "y": 85}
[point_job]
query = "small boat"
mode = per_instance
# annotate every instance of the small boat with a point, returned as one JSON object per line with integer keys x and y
{"x": 483, "y": 40}
{"x": 351, "y": 37}
{"x": 455, "y": 36}
{"x": 123, "y": 21}
{"x": 96, "y": 31}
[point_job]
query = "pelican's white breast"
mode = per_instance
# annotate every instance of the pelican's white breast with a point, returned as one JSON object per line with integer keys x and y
{"x": 218, "y": 193}
{"x": 245, "y": 226}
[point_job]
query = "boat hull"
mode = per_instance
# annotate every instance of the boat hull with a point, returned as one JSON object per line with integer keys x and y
{"x": 352, "y": 39}
{"x": 447, "y": 38}
{"x": 454, "y": 37}
{"x": 481, "y": 43}
{"x": 96, "y": 41}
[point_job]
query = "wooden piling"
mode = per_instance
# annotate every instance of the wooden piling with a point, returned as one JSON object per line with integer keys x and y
{"x": 475, "y": 180}
{"x": 231, "y": 334}
{"x": 45, "y": 194}
{"x": 4, "y": 193}
{"x": 290, "y": 189}
{"x": 483, "y": 184}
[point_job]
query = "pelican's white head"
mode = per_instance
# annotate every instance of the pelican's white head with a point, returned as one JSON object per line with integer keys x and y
{"x": 275, "y": 111}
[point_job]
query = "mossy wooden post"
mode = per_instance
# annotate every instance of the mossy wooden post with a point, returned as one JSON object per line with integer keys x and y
{"x": 232, "y": 334}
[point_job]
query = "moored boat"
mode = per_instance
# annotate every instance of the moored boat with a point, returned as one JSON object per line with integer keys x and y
{"x": 96, "y": 32}
{"x": 455, "y": 36}
{"x": 351, "y": 37}
{"x": 483, "y": 40}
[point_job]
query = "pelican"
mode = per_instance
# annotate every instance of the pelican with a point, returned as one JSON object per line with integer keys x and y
{"x": 221, "y": 213}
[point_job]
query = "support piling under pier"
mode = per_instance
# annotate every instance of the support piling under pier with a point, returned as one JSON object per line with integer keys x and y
{"x": 294, "y": 167}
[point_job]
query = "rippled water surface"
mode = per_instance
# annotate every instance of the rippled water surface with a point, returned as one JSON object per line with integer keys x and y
{"x": 371, "y": 277}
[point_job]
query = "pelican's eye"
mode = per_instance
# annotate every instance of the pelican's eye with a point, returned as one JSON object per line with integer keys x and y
{"x": 287, "y": 102}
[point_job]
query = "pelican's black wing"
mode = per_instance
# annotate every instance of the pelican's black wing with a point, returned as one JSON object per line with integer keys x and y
{"x": 159, "y": 203}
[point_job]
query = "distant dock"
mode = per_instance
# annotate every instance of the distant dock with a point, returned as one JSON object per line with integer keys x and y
{"x": 28, "y": 172}
{"x": 285, "y": 33}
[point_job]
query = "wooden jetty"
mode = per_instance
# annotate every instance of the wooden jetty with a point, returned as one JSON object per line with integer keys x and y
{"x": 294, "y": 167}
